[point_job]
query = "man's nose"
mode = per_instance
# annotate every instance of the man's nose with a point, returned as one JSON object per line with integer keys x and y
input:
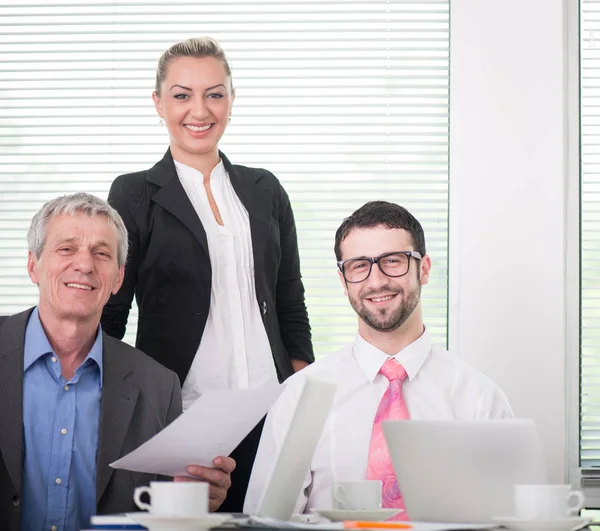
{"x": 377, "y": 278}
{"x": 83, "y": 262}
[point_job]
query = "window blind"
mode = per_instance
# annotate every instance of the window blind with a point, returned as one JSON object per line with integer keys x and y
{"x": 344, "y": 100}
{"x": 590, "y": 233}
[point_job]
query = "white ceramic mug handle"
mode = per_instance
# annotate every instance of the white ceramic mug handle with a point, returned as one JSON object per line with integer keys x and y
{"x": 575, "y": 495}
{"x": 338, "y": 493}
{"x": 137, "y": 494}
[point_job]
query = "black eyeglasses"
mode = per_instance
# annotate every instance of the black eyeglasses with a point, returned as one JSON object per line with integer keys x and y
{"x": 391, "y": 264}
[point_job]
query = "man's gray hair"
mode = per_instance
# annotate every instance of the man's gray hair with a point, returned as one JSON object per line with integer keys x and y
{"x": 70, "y": 204}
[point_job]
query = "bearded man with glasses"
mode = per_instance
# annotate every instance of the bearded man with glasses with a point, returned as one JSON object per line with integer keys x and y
{"x": 391, "y": 371}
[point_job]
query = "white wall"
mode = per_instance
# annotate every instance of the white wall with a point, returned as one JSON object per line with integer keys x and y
{"x": 508, "y": 204}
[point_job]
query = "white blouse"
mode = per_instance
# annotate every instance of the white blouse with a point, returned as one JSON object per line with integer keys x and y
{"x": 234, "y": 352}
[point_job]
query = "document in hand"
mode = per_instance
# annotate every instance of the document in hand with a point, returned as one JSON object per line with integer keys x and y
{"x": 213, "y": 425}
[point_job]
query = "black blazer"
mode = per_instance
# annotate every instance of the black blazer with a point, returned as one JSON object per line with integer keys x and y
{"x": 169, "y": 268}
{"x": 139, "y": 398}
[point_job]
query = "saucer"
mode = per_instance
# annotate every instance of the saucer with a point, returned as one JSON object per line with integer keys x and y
{"x": 156, "y": 522}
{"x": 366, "y": 515}
{"x": 544, "y": 524}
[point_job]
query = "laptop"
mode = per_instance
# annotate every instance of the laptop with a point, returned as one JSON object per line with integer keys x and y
{"x": 463, "y": 471}
{"x": 293, "y": 462}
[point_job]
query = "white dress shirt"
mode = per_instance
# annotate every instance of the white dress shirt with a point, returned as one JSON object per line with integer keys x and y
{"x": 439, "y": 386}
{"x": 234, "y": 352}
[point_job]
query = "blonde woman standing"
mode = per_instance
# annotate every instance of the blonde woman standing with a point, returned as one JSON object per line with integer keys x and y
{"x": 213, "y": 260}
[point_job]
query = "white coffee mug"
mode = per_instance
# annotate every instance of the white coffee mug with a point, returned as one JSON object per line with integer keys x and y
{"x": 168, "y": 498}
{"x": 536, "y": 502}
{"x": 362, "y": 495}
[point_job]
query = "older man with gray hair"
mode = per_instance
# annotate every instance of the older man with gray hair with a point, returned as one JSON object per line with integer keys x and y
{"x": 73, "y": 399}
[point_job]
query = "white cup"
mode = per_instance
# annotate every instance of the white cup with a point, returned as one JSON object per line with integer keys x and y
{"x": 356, "y": 495}
{"x": 168, "y": 498}
{"x": 537, "y": 502}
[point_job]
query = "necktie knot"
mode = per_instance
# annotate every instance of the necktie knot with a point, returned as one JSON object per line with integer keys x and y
{"x": 392, "y": 370}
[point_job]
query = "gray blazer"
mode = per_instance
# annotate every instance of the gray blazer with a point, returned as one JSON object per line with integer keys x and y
{"x": 139, "y": 398}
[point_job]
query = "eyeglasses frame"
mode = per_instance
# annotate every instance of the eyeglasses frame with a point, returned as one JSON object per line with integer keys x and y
{"x": 375, "y": 260}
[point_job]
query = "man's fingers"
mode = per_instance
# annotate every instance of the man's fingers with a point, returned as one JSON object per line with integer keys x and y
{"x": 218, "y": 478}
{"x": 217, "y": 493}
{"x": 214, "y": 476}
{"x": 226, "y": 464}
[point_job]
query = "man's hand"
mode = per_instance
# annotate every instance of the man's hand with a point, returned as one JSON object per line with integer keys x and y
{"x": 218, "y": 477}
{"x": 298, "y": 365}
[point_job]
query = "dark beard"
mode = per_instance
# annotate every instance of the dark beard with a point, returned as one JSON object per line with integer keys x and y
{"x": 383, "y": 320}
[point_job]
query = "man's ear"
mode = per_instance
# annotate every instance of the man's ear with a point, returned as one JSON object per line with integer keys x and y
{"x": 119, "y": 281}
{"x": 344, "y": 285}
{"x": 32, "y": 263}
{"x": 425, "y": 266}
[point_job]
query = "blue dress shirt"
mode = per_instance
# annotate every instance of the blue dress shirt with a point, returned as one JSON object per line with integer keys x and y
{"x": 60, "y": 435}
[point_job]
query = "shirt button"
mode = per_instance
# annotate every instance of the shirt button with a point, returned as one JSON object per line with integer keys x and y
{"x": 16, "y": 500}
{"x": 53, "y": 359}
{"x": 58, "y": 481}
{"x": 66, "y": 388}
{"x": 64, "y": 431}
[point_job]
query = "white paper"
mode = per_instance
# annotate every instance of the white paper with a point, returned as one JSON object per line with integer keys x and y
{"x": 212, "y": 426}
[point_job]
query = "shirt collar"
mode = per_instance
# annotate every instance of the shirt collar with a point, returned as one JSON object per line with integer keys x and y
{"x": 187, "y": 173}
{"x": 37, "y": 344}
{"x": 370, "y": 359}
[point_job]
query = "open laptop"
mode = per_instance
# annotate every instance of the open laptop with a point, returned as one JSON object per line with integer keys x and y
{"x": 293, "y": 462}
{"x": 463, "y": 471}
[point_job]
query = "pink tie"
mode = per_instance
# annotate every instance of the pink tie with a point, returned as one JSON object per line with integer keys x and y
{"x": 379, "y": 464}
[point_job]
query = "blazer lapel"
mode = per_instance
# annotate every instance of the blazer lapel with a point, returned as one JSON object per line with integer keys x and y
{"x": 172, "y": 197}
{"x": 254, "y": 193}
{"x": 12, "y": 342}
{"x": 119, "y": 397}
{"x": 257, "y": 197}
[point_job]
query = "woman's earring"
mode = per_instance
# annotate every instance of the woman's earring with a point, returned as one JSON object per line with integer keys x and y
{"x": 229, "y": 119}
{"x": 161, "y": 121}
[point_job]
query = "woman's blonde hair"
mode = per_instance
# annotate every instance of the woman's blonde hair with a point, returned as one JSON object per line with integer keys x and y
{"x": 195, "y": 47}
